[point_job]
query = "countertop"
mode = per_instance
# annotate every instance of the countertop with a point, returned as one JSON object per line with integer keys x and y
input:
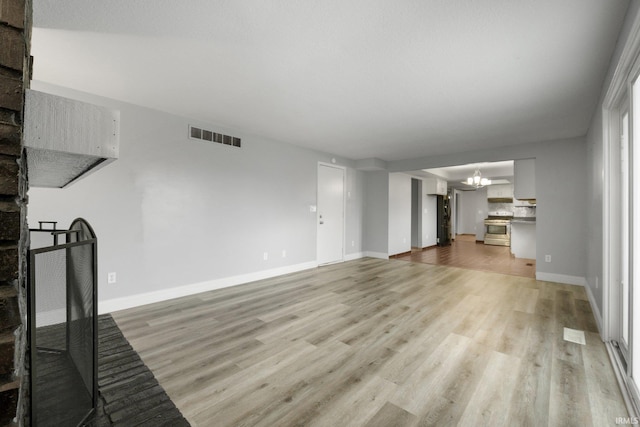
{"x": 524, "y": 220}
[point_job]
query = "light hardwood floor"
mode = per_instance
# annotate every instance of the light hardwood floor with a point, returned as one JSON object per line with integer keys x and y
{"x": 380, "y": 343}
{"x": 465, "y": 252}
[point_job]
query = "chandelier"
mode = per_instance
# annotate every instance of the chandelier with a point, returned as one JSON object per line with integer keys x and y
{"x": 477, "y": 181}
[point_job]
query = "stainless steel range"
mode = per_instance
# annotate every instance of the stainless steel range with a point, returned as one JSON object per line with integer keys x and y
{"x": 498, "y": 228}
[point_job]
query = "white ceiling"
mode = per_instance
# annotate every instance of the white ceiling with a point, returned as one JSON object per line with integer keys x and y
{"x": 489, "y": 170}
{"x": 359, "y": 78}
{"x": 498, "y": 172}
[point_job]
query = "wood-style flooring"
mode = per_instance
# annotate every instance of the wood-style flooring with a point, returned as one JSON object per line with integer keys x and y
{"x": 465, "y": 252}
{"x": 380, "y": 343}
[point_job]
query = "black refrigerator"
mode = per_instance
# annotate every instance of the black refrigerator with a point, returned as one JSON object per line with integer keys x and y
{"x": 444, "y": 221}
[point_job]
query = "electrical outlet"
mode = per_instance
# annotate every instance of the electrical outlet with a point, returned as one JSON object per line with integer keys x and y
{"x": 111, "y": 278}
{"x": 265, "y": 256}
{"x": 284, "y": 253}
{"x": 547, "y": 258}
{"x": 353, "y": 243}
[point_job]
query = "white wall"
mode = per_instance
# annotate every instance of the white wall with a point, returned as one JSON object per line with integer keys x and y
{"x": 399, "y": 213}
{"x": 467, "y": 214}
{"x": 424, "y": 219}
{"x": 355, "y": 211}
{"x": 375, "y": 236}
{"x": 429, "y": 220}
{"x": 473, "y": 211}
{"x": 172, "y": 211}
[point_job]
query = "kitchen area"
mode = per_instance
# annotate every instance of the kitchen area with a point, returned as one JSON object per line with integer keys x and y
{"x": 490, "y": 206}
{"x": 510, "y": 221}
{"x": 515, "y": 205}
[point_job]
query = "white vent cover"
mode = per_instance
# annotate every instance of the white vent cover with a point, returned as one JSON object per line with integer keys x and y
{"x": 211, "y": 136}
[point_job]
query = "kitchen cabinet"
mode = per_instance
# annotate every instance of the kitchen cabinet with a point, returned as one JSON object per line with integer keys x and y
{"x": 524, "y": 179}
{"x": 435, "y": 186}
{"x": 500, "y": 191}
{"x": 524, "y": 203}
{"x": 523, "y": 239}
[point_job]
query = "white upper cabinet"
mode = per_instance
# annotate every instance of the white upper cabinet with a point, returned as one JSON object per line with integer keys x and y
{"x": 524, "y": 176}
{"x": 500, "y": 191}
{"x": 435, "y": 186}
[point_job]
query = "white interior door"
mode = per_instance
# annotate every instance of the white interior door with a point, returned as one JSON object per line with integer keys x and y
{"x": 330, "y": 217}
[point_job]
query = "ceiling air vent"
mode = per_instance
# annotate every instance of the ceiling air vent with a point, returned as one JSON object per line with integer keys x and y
{"x": 210, "y": 136}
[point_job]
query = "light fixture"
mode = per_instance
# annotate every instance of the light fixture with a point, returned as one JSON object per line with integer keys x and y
{"x": 477, "y": 181}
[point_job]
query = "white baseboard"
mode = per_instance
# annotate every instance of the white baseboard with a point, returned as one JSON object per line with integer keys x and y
{"x": 594, "y": 307}
{"x": 376, "y": 255}
{"x": 52, "y": 317}
{"x": 561, "y": 278}
{"x": 116, "y": 304}
{"x": 627, "y": 386}
{"x": 352, "y": 257}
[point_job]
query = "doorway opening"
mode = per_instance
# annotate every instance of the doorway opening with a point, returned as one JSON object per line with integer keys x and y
{"x": 446, "y": 209}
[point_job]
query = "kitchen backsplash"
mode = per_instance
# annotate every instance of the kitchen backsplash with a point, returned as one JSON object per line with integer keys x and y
{"x": 500, "y": 207}
{"x": 518, "y": 211}
{"x": 524, "y": 211}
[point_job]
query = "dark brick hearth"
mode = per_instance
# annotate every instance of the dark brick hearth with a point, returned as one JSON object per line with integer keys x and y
{"x": 129, "y": 393}
{"x": 15, "y": 35}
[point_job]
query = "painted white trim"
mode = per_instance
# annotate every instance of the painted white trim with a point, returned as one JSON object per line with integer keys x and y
{"x": 52, "y": 317}
{"x": 627, "y": 69}
{"x": 627, "y": 388}
{"x": 354, "y": 256}
{"x": 607, "y": 272}
{"x": 379, "y": 255}
{"x": 624, "y": 71}
{"x": 624, "y": 67}
{"x": 635, "y": 396}
{"x": 594, "y": 308}
{"x": 366, "y": 254}
{"x": 561, "y": 278}
{"x": 131, "y": 301}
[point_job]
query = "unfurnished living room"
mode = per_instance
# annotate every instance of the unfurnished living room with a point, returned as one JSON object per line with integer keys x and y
{"x": 278, "y": 213}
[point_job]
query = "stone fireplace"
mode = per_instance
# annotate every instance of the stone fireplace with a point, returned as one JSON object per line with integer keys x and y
{"x": 15, "y": 66}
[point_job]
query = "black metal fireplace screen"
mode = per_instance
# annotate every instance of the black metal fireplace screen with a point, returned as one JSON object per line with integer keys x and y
{"x": 63, "y": 326}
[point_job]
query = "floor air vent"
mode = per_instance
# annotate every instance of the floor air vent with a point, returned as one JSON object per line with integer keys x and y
{"x": 210, "y": 136}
